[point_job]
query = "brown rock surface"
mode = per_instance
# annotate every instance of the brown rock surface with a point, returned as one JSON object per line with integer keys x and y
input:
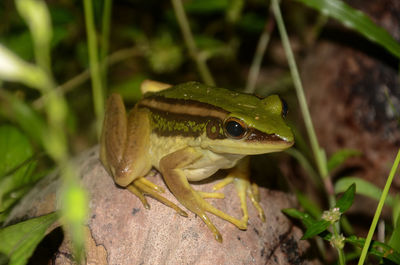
{"x": 121, "y": 231}
{"x": 353, "y": 93}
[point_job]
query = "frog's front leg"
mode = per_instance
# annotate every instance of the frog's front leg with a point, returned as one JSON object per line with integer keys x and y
{"x": 172, "y": 168}
{"x": 240, "y": 175}
{"x": 124, "y": 150}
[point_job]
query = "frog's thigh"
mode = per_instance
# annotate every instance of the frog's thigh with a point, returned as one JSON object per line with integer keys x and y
{"x": 113, "y": 134}
{"x": 125, "y": 141}
{"x": 171, "y": 169}
{"x": 240, "y": 175}
{"x": 134, "y": 162}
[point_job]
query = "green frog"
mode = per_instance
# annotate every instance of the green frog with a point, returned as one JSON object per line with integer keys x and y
{"x": 188, "y": 132}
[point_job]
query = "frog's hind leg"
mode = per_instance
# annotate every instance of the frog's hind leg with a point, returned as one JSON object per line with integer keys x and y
{"x": 240, "y": 176}
{"x": 124, "y": 150}
{"x": 125, "y": 141}
{"x": 171, "y": 168}
{"x": 144, "y": 186}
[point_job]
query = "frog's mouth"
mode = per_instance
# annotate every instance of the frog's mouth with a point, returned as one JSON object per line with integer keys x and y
{"x": 250, "y": 147}
{"x": 257, "y": 136}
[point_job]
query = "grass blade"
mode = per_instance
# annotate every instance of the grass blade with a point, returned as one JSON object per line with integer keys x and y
{"x": 363, "y": 188}
{"x": 379, "y": 209}
{"x": 356, "y": 20}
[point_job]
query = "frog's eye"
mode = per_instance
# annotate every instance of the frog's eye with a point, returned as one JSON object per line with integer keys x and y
{"x": 235, "y": 128}
{"x": 284, "y": 108}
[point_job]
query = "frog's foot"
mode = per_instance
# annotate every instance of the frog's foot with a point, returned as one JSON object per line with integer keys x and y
{"x": 142, "y": 186}
{"x": 151, "y": 173}
{"x": 213, "y": 195}
{"x": 171, "y": 167}
{"x": 239, "y": 175}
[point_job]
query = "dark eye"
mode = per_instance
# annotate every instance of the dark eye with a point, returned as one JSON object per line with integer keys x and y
{"x": 235, "y": 128}
{"x": 284, "y": 108}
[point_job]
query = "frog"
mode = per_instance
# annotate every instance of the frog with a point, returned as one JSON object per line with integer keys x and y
{"x": 188, "y": 132}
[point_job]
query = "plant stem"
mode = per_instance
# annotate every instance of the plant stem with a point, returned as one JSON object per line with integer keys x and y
{"x": 258, "y": 56}
{"x": 304, "y": 162}
{"x": 190, "y": 43}
{"x": 342, "y": 259}
{"x": 318, "y": 153}
{"x": 98, "y": 93}
{"x": 379, "y": 209}
{"x": 105, "y": 36}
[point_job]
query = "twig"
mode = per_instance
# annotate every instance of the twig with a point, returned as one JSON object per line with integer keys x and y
{"x": 97, "y": 88}
{"x": 190, "y": 43}
{"x": 318, "y": 152}
{"x": 259, "y": 55}
{"x": 105, "y": 36}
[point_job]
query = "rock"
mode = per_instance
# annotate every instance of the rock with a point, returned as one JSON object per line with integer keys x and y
{"x": 121, "y": 231}
{"x": 353, "y": 93}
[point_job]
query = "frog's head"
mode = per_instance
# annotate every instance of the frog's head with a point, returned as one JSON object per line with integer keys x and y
{"x": 223, "y": 120}
{"x": 251, "y": 126}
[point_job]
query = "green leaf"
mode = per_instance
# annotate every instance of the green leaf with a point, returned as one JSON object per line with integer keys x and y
{"x": 376, "y": 248}
{"x": 252, "y": 22}
{"x": 211, "y": 47}
{"x": 306, "y": 219}
{"x": 340, "y": 157}
{"x": 394, "y": 241}
{"x": 345, "y": 202}
{"x": 16, "y": 166}
{"x": 309, "y": 205}
{"x": 60, "y": 33}
{"x": 22, "y": 114}
{"x": 206, "y": 6}
{"x": 356, "y": 20}
{"x": 129, "y": 89}
{"x": 396, "y": 209}
{"x": 21, "y": 44}
{"x": 363, "y": 188}
{"x": 316, "y": 228}
{"x": 234, "y": 10}
{"x": 14, "y": 186}
{"x": 14, "y": 149}
{"x": 14, "y": 69}
{"x": 310, "y": 223}
{"x": 37, "y": 17}
{"x": 20, "y": 240}
{"x": 61, "y": 15}
{"x": 165, "y": 54}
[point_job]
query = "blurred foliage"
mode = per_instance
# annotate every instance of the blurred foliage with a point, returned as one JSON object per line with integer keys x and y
{"x": 17, "y": 167}
{"x": 18, "y": 241}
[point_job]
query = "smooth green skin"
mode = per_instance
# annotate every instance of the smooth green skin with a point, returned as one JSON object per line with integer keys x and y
{"x": 129, "y": 148}
{"x": 263, "y": 114}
